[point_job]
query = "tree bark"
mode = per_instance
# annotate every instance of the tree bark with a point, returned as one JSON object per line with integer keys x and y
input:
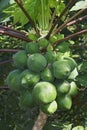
{"x": 40, "y": 122}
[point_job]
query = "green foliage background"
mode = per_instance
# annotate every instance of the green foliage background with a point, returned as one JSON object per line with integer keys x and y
{"x": 11, "y": 116}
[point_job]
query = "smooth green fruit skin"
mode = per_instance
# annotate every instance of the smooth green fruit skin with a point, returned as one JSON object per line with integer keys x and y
{"x": 44, "y": 92}
{"x": 61, "y": 69}
{"x": 20, "y": 59}
{"x": 46, "y": 75}
{"x": 13, "y": 80}
{"x": 50, "y": 56}
{"x": 36, "y": 62}
{"x": 73, "y": 89}
{"x": 71, "y": 62}
{"x": 49, "y": 108}
{"x": 43, "y": 43}
{"x": 29, "y": 79}
{"x": 32, "y": 48}
{"x": 63, "y": 87}
{"x": 26, "y": 100}
{"x": 64, "y": 102}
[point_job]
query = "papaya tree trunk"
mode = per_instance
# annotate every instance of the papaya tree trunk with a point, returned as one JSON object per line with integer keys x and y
{"x": 40, "y": 122}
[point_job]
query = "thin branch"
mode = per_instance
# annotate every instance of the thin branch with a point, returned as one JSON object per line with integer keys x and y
{"x": 5, "y": 62}
{"x": 9, "y": 50}
{"x": 65, "y": 23}
{"x": 4, "y": 87}
{"x": 27, "y": 15}
{"x": 9, "y": 28}
{"x": 77, "y": 20}
{"x": 13, "y": 33}
{"x": 68, "y": 6}
{"x": 62, "y": 14}
{"x": 70, "y": 37}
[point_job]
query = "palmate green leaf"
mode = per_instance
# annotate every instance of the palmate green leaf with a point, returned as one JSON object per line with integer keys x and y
{"x": 32, "y": 8}
{"x": 5, "y": 3}
{"x": 20, "y": 17}
{"x": 83, "y": 67}
{"x": 73, "y": 74}
{"x": 79, "y": 5}
{"x": 60, "y": 8}
{"x": 67, "y": 127}
{"x": 61, "y": 55}
{"x": 40, "y": 12}
{"x": 17, "y": 14}
{"x": 10, "y": 10}
{"x": 78, "y": 128}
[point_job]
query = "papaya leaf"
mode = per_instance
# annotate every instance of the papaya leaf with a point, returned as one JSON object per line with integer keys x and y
{"x": 83, "y": 67}
{"x": 5, "y": 3}
{"x": 79, "y": 5}
{"x": 67, "y": 127}
{"x": 73, "y": 74}
{"x": 61, "y": 55}
{"x": 60, "y": 8}
{"x": 39, "y": 11}
{"x": 78, "y": 128}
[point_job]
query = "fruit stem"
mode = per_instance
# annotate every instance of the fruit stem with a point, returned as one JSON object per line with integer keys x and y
{"x": 40, "y": 122}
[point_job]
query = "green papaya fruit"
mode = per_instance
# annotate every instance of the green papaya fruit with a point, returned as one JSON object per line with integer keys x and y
{"x": 36, "y": 62}
{"x": 32, "y": 47}
{"x": 44, "y": 92}
{"x": 13, "y": 80}
{"x": 20, "y": 59}
{"x": 61, "y": 69}
{"x": 29, "y": 79}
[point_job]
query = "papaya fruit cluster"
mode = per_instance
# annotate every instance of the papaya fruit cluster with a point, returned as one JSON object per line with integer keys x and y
{"x": 41, "y": 78}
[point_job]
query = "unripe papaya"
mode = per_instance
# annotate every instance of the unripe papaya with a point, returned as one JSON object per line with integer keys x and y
{"x": 61, "y": 69}
{"x": 44, "y": 92}
{"x": 13, "y": 80}
{"x": 36, "y": 62}
{"x": 20, "y": 59}
{"x": 29, "y": 79}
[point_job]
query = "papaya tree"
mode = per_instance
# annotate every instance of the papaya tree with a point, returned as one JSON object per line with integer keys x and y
{"x": 46, "y": 73}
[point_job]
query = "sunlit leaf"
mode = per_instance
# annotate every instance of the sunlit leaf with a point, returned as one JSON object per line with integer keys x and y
{"x": 73, "y": 74}
{"x": 67, "y": 127}
{"x": 79, "y": 5}
{"x": 78, "y": 128}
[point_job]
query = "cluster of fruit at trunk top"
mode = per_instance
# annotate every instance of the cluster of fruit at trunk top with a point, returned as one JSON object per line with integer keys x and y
{"x": 41, "y": 78}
